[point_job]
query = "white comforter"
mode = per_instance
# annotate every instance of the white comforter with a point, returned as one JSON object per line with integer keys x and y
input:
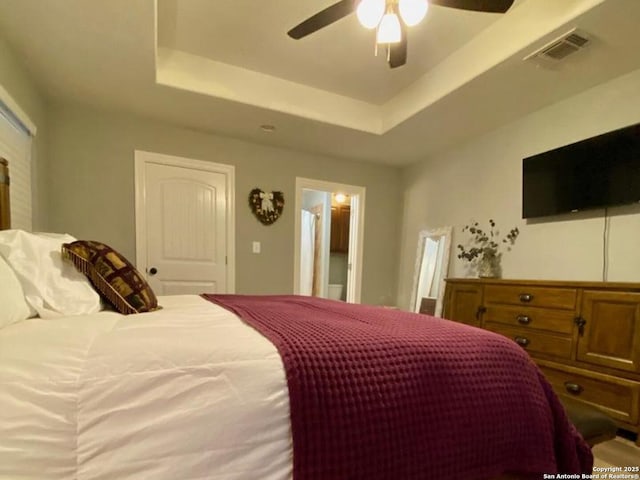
{"x": 188, "y": 392}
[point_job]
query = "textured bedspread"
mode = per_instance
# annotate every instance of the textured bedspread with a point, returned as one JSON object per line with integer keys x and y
{"x": 383, "y": 394}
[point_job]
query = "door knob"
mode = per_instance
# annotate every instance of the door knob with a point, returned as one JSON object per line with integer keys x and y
{"x": 153, "y": 271}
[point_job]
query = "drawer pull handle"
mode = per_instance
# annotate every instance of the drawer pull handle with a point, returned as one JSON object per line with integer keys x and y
{"x": 480, "y": 311}
{"x": 580, "y": 322}
{"x": 526, "y": 297}
{"x": 573, "y": 388}
{"x": 522, "y": 341}
{"x": 523, "y": 319}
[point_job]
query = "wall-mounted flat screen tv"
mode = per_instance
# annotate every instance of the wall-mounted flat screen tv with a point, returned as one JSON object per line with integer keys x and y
{"x": 599, "y": 172}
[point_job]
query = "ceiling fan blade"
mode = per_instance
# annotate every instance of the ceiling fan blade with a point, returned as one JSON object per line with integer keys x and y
{"x": 398, "y": 51}
{"x": 323, "y": 18}
{"x": 489, "y": 6}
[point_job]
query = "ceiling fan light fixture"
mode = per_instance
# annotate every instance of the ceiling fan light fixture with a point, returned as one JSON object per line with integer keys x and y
{"x": 413, "y": 11}
{"x": 389, "y": 30}
{"x": 370, "y": 12}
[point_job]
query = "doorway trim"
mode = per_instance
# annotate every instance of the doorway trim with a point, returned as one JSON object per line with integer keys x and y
{"x": 141, "y": 159}
{"x": 356, "y": 234}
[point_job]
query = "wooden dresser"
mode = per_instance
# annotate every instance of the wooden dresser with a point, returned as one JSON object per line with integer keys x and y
{"x": 585, "y": 336}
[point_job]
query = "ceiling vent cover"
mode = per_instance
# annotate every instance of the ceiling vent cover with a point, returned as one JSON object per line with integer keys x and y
{"x": 561, "y": 47}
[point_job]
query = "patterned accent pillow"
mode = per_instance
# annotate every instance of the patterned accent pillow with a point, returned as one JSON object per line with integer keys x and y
{"x": 112, "y": 275}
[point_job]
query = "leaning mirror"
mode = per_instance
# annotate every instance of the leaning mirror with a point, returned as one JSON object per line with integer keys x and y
{"x": 432, "y": 263}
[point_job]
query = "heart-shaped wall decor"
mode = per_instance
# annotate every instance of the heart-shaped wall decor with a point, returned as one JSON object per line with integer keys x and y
{"x": 267, "y": 207}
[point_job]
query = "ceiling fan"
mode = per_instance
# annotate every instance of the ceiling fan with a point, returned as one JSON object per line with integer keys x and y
{"x": 383, "y": 15}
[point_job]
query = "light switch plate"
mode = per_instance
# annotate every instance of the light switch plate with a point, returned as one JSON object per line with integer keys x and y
{"x": 256, "y": 247}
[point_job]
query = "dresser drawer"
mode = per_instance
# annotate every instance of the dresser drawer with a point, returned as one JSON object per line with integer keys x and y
{"x": 559, "y": 321}
{"x": 618, "y": 397}
{"x": 535, "y": 342}
{"x": 563, "y": 298}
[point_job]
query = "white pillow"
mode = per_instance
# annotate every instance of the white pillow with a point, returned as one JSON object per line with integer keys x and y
{"x": 13, "y": 306}
{"x": 51, "y": 286}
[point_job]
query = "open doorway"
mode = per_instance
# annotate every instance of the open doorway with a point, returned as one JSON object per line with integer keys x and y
{"x": 329, "y": 231}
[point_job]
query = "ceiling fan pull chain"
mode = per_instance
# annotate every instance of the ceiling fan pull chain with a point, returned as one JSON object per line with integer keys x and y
{"x": 375, "y": 49}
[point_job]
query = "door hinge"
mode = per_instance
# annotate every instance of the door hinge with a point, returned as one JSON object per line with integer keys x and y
{"x": 226, "y": 260}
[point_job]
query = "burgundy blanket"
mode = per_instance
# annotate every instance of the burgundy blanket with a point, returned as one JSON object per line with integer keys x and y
{"x": 383, "y": 394}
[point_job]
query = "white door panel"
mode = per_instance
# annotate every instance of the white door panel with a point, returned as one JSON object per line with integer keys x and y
{"x": 186, "y": 229}
{"x": 174, "y": 287}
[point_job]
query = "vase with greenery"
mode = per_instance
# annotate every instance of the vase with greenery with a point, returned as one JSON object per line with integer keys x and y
{"x": 483, "y": 250}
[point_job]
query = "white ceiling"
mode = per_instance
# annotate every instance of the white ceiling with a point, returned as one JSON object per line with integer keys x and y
{"x": 340, "y": 58}
{"x": 227, "y": 66}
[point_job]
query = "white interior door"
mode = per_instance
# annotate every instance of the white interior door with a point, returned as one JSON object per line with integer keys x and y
{"x": 184, "y": 239}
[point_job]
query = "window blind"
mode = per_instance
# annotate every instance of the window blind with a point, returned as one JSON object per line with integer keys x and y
{"x": 15, "y": 146}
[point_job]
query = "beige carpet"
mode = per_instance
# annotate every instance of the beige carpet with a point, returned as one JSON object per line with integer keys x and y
{"x": 618, "y": 452}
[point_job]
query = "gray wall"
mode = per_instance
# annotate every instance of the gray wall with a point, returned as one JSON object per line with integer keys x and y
{"x": 18, "y": 83}
{"x": 483, "y": 179}
{"x": 91, "y": 193}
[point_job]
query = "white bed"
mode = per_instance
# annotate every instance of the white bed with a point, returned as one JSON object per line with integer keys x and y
{"x": 186, "y": 392}
{"x": 183, "y": 393}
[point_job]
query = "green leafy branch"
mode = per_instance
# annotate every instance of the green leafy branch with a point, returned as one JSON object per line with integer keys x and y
{"x": 486, "y": 243}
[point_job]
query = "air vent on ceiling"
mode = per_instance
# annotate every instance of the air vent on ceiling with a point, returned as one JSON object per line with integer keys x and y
{"x": 561, "y": 47}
